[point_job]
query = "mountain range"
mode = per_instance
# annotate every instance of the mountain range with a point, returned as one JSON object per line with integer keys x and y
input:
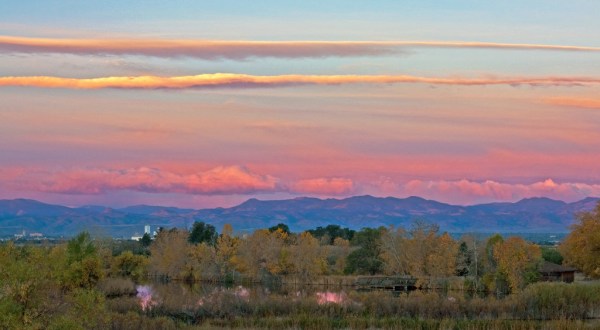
{"x": 541, "y": 215}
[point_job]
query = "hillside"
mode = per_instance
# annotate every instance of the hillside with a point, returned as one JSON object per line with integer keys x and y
{"x": 527, "y": 215}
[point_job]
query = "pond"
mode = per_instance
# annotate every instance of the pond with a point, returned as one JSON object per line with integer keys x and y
{"x": 188, "y": 295}
{"x": 185, "y": 295}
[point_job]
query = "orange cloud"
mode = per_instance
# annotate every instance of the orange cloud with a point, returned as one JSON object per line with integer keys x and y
{"x": 236, "y": 49}
{"x": 219, "y": 180}
{"x": 216, "y": 80}
{"x": 573, "y": 102}
{"x": 323, "y": 186}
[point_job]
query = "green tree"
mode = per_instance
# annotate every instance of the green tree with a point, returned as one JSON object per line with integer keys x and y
{"x": 331, "y": 232}
{"x": 463, "y": 260}
{"x": 581, "y": 248}
{"x": 129, "y": 265}
{"x": 551, "y": 254}
{"x": 80, "y": 247}
{"x": 31, "y": 294}
{"x": 492, "y": 278}
{"x": 83, "y": 265}
{"x": 203, "y": 233}
{"x": 281, "y": 226}
{"x": 366, "y": 259}
{"x": 146, "y": 240}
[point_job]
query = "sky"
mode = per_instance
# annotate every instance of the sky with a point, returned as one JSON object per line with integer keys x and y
{"x": 209, "y": 103}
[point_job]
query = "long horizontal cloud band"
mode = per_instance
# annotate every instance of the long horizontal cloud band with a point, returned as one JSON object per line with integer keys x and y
{"x": 214, "y": 49}
{"x": 235, "y": 180}
{"x": 222, "y": 180}
{"x": 242, "y": 80}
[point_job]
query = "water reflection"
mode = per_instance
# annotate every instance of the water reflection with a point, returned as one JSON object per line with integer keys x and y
{"x": 146, "y": 297}
{"x": 191, "y": 296}
{"x": 331, "y": 297}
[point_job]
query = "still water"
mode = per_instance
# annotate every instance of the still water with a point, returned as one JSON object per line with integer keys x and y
{"x": 186, "y": 295}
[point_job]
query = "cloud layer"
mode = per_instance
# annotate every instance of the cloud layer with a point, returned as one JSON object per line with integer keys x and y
{"x": 221, "y": 180}
{"x": 239, "y": 180}
{"x": 236, "y": 49}
{"x": 217, "y": 181}
{"x": 221, "y": 80}
{"x": 323, "y": 186}
{"x": 469, "y": 192}
{"x": 573, "y": 102}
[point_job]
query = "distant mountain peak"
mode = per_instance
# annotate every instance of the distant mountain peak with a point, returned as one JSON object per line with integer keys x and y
{"x": 538, "y": 214}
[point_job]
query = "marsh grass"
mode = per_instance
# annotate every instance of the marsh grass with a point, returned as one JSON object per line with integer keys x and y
{"x": 540, "y": 306}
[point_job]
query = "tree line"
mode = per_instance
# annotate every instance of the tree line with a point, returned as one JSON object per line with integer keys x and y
{"x": 495, "y": 264}
{"x": 56, "y": 286}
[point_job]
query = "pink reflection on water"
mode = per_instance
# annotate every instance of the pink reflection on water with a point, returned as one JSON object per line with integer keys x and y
{"x": 242, "y": 293}
{"x": 144, "y": 294}
{"x": 217, "y": 294}
{"x": 330, "y": 297}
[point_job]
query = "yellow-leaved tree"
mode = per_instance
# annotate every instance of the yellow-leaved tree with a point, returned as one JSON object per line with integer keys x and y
{"x": 517, "y": 260}
{"x": 308, "y": 257}
{"x": 226, "y": 250}
{"x": 581, "y": 249}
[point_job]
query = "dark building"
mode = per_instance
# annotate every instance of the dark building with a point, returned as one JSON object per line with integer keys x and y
{"x": 552, "y": 272}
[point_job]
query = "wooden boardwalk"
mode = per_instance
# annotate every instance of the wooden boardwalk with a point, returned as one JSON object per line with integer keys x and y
{"x": 393, "y": 283}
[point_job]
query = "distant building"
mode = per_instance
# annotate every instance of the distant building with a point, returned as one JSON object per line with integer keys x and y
{"x": 137, "y": 237}
{"x": 552, "y": 272}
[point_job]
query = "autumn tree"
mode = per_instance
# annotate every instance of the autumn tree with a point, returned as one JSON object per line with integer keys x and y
{"x": 307, "y": 256}
{"x": 394, "y": 251}
{"x": 129, "y": 265}
{"x": 336, "y": 255}
{"x": 441, "y": 260}
{"x": 169, "y": 252}
{"x": 226, "y": 250}
{"x": 419, "y": 252}
{"x": 517, "y": 260}
{"x": 200, "y": 263}
{"x": 264, "y": 251}
{"x": 581, "y": 248}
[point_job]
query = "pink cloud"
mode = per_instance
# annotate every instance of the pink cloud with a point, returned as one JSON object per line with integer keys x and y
{"x": 219, "y": 180}
{"x": 470, "y": 192}
{"x": 323, "y": 186}
{"x": 239, "y": 49}
{"x": 222, "y": 80}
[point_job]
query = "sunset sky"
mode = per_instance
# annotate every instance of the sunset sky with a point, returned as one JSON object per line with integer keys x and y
{"x": 210, "y": 103}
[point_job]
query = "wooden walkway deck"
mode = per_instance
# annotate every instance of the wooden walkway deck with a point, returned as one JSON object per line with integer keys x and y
{"x": 393, "y": 283}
